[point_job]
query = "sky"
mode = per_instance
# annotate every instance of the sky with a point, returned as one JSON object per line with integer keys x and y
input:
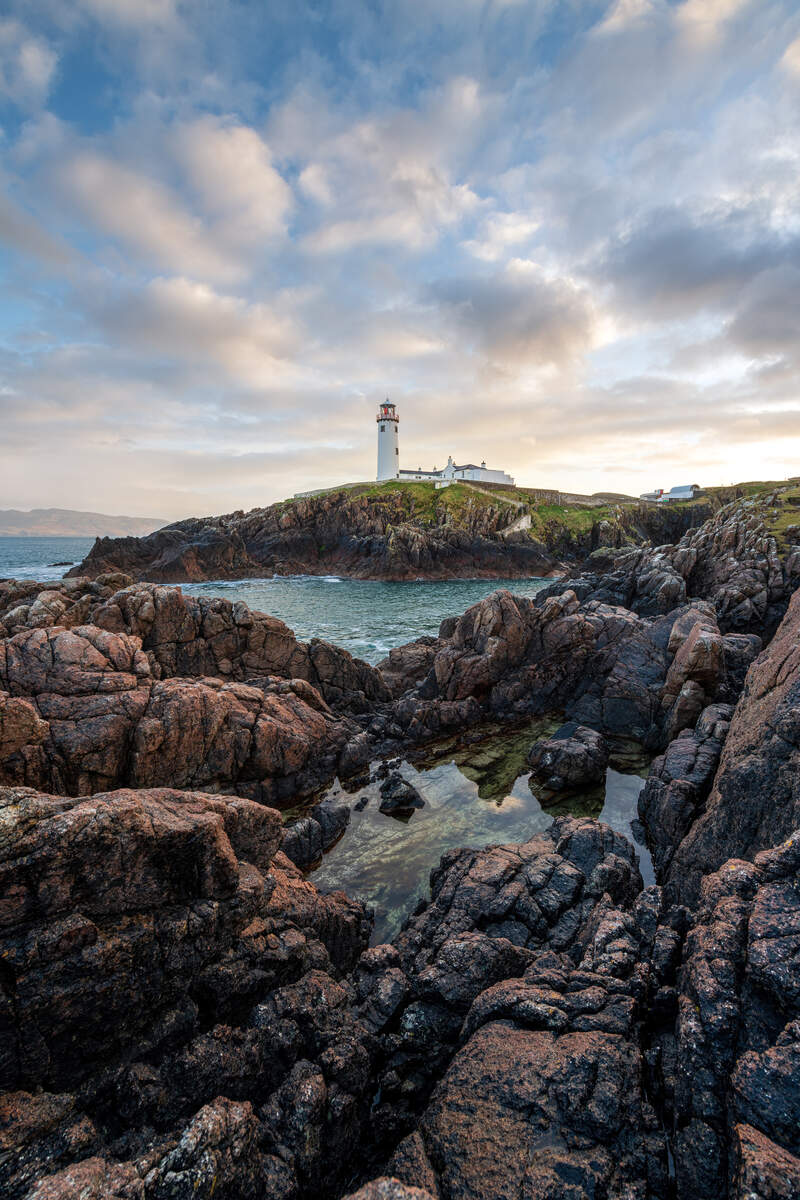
{"x": 562, "y": 236}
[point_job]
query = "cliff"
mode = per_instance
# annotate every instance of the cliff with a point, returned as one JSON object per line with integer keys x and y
{"x": 393, "y": 531}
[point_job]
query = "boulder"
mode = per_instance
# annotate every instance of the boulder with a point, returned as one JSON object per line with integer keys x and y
{"x": 399, "y": 797}
{"x": 164, "y": 968}
{"x": 307, "y": 839}
{"x": 572, "y": 759}
{"x": 679, "y": 783}
{"x": 101, "y": 720}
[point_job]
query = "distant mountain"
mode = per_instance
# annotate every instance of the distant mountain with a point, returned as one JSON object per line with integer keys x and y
{"x": 63, "y": 522}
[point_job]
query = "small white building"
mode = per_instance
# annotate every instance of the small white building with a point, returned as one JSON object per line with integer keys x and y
{"x": 389, "y": 458}
{"x": 686, "y": 491}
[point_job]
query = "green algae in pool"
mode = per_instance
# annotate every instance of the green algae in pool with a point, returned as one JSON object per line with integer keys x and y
{"x": 474, "y": 796}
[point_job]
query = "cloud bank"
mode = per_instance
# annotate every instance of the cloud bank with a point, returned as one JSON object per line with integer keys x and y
{"x": 564, "y": 238}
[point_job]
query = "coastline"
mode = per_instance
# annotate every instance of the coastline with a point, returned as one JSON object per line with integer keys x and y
{"x": 182, "y": 993}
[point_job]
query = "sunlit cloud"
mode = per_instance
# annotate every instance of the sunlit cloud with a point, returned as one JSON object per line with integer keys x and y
{"x": 569, "y": 245}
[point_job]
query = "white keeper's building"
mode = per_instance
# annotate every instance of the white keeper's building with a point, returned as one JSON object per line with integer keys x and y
{"x": 389, "y": 458}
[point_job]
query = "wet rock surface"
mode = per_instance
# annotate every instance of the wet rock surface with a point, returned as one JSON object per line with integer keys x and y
{"x": 398, "y": 796}
{"x": 573, "y": 758}
{"x": 737, "y": 1039}
{"x": 165, "y": 970}
{"x": 306, "y": 840}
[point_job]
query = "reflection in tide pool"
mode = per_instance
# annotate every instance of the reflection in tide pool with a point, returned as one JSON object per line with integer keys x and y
{"x": 474, "y": 796}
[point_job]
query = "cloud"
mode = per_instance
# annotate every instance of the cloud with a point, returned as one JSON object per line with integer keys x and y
{"x": 673, "y": 264}
{"x": 791, "y": 57}
{"x": 562, "y": 237}
{"x": 144, "y": 215}
{"x": 24, "y": 235}
{"x": 136, "y": 13}
{"x": 767, "y": 321}
{"x": 230, "y": 168}
{"x": 413, "y": 204}
{"x": 519, "y": 317}
{"x": 500, "y": 231}
{"x": 252, "y": 345}
{"x": 625, "y": 13}
{"x": 704, "y": 20}
{"x": 383, "y": 181}
{"x": 27, "y": 65}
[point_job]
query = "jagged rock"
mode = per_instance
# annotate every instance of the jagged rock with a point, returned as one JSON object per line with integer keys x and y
{"x": 608, "y": 668}
{"x": 755, "y": 800}
{"x": 137, "y": 932}
{"x": 738, "y": 1033}
{"x": 408, "y": 665}
{"x": 355, "y": 756}
{"x": 103, "y": 721}
{"x": 198, "y": 637}
{"x": 527, "y": 974}
{"x": 387, "y": 1188}
{"x": 362, "y": 536}
{"x": 762, "y": 1169}
{"x": 731, "y": 560}
{"x": 491, "y": 913}
{"x": 306, "y": 840}
{"x": 679, "y": 783}
{"x": 381, "y": 985}
{"x": 573, "y": 758}
{"x": 399, "y": 797}
{"x": 182, "y": 1013}
{"x": 532, "y": 1112}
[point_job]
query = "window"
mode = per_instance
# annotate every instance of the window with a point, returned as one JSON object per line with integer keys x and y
{"x": 396, "y": 450}
{"x": 383, "y": 429}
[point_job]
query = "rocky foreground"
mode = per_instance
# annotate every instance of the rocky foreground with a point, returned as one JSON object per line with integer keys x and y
{"x": 183, "y": 1014}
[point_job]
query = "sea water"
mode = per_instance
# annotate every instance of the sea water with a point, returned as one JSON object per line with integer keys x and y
{"x": 365, "y": 617}
{"x": 36, "y": 557}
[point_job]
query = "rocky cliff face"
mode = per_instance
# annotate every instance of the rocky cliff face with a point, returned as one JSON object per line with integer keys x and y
{"x": 368, "y": 537}
{"x": 183, "y": 1015}
{"x": 755, "y": 799}
{"x": 734, "y": 559}
{"x": 389, "y": 532}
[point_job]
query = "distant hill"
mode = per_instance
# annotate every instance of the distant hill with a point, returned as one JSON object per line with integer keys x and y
{"x": 64, "y": 522}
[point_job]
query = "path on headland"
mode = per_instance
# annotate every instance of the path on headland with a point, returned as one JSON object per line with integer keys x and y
{"x": 522, "y": 522}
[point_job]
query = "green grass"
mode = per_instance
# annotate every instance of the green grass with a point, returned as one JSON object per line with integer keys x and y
{"x": 571, "y": 517}
{"x": 420, "y": 502}
{"x": 786, "y": 514}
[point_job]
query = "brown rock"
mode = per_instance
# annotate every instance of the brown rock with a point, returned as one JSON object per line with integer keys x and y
{"x": 755, "y": 801}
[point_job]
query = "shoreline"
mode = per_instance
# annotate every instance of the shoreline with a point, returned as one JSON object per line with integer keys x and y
{"x": 179, "y": 992}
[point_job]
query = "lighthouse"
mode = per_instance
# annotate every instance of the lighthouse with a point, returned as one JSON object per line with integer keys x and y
{"x": 388, "y": 442}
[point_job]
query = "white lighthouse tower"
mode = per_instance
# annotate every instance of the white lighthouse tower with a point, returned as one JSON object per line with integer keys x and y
{"x": 388, "y": 442}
